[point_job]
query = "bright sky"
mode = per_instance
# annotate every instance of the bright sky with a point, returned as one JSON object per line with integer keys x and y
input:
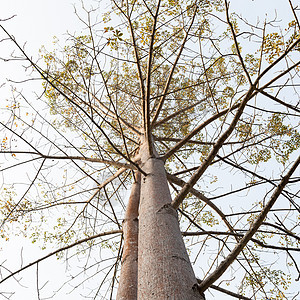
{"x": 36, "y": 22}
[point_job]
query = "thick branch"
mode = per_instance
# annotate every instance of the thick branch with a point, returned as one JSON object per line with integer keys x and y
{"x": 185, "y": 190}
{"x": 253, "y": 229}
{"x": 146, "y": 100}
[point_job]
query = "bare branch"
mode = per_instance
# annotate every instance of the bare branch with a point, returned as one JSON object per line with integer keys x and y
{"x": 185, "y": 190}
{"x": 60, "y": 250}
{"x": 197, "y": 130}
{"x": 237, "y": 47}
{"x": 174, "y": 65}
{"x": 253, "y": 229}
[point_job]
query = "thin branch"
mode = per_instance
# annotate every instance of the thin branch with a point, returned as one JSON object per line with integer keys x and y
{"x": 24, "y": 194}
{"x": 60, "y": 250}
{"x": 291, "y": 47}
{"x": 68, "y": 98}
{"x": 261, "y": 244}
{"x": 197, "y": 130}
{"x": 135, "y": 50}
{"x": 294, "y": 13}
{"x": 89, "y": 159}
{"x": 279, "y": 101}
{"x": 199, "y": 195}
{"x": 222, "y": 290}
{"x": 174, "y": 65}
{"x": 166, "y": 119}
{"x": 237, "y": 47}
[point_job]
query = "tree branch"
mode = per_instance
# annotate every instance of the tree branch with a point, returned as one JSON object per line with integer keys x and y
{"x": 167, "y": 85}
{"x": 236, "y": 43}
{"x": 232, "y": 294}
{"x": 279, "y": 101}
{"x": 199, "y": 195}
{"x": 60, "y": 250}
{"x": 146, "y": 99}
{"x": 197, "y": 130}
{"x": 178, "y": 112}
{"x": 253, "y": 229}
{"x": 185, "y": 190}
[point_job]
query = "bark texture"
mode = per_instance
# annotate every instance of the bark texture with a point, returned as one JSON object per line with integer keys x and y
{"x": 165, "y": 271}
{"x": 127, "y": 289}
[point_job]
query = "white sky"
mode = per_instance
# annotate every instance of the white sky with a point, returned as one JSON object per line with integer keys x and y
{"x": 36, "y": 22}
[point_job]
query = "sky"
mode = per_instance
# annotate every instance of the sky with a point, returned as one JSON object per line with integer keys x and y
{"x": 35, "y": 23}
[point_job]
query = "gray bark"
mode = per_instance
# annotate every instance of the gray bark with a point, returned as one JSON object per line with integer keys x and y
{"x": 164, "y": 268}
{"x": 127, "y": 289}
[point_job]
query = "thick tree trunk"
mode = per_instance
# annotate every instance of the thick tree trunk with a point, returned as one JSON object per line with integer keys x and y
{"x": 164, "y": 268}
{"x": 127, "y": 289}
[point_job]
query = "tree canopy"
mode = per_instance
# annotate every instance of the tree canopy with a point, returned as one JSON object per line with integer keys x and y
{"x": 210, "y": 92}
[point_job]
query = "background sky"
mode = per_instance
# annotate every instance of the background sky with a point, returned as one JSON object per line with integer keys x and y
{"x": 35, "y": 23}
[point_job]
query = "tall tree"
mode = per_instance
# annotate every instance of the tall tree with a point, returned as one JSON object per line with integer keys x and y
{"x": 193, "y": 109}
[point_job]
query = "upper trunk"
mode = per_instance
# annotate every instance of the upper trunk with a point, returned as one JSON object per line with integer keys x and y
{"x": 164, "y": 268}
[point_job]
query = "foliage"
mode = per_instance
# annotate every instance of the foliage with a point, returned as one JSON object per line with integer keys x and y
{"x": 216, "y": 95}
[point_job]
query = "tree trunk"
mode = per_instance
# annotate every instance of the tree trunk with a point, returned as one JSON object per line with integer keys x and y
{"x": 164, "y": 268}
{"x": 127, "y": 289}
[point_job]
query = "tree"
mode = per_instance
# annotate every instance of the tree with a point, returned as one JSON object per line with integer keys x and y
{"x": 194, "y": 107}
